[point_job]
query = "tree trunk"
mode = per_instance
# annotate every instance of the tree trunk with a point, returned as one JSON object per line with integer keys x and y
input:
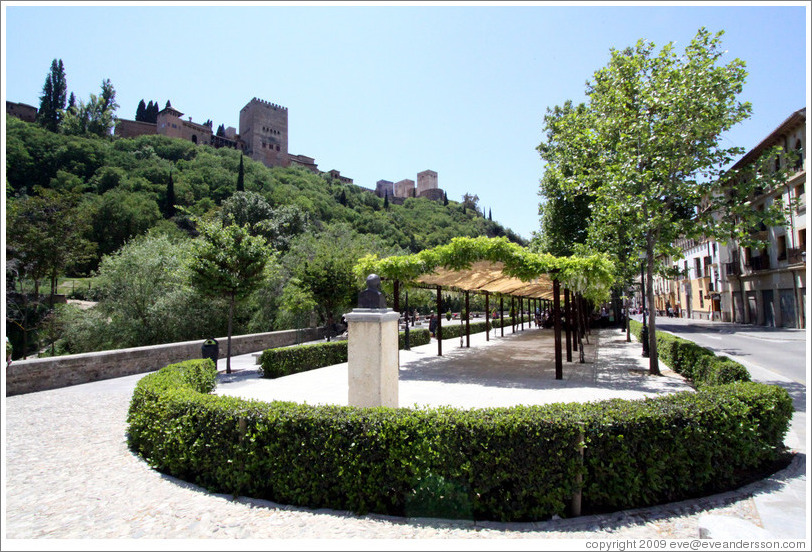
{"x": 628, "y": 323}
{"x": 228, "y": 347}
{"x": 653, "y": 361}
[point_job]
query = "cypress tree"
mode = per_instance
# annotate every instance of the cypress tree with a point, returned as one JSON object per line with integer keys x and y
{"x": 71, "y": 101}
{"x": 170, "y": 198}
{"x": 343, "y": 199}
{"x": 489, "y": 214}
{"x": 53, "y": 98}
{"x": 141, "y": 111}
{"x": 445, "y": 198}
{"x": 152, "y": 112}
{"x": 241, "y": 177}
{"x": 386, "y": 201}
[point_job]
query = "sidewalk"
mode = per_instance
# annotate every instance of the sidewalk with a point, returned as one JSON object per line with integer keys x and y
{"x": 69, "y": 473}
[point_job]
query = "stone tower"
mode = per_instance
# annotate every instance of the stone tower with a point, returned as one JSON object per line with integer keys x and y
{"x": 426, "y": 180}
{"x": 264, "y": 129}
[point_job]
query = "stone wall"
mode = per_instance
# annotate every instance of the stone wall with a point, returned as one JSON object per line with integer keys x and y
{"x": 40, "y": 374}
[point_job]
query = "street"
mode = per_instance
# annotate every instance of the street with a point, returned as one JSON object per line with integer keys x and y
{"x": 778, "y": 350}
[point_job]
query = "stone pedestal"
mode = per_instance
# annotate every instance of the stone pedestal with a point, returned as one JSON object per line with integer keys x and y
{"x": 372, "y": 350}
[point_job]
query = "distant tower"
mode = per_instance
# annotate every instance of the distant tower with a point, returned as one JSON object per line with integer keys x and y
{"x": 426, "y": 180}
{"x": 384, "y": 188}
{"x": 404, "y": 188}
{"x": 264, "y": 129}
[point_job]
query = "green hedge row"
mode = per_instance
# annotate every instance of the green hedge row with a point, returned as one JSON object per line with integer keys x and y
{"x": 454, "y": 328}
{"x": 694, "y": 362}
{"x": 504, "y": 464}
{"x": 284, "y": 361}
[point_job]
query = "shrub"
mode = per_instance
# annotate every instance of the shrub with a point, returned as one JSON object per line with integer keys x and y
{"x": 505, "y": 464}
{"x": 284, "y": 361}
{"x": 694, "y": 362}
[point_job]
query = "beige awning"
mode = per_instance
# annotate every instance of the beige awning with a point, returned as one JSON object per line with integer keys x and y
{"x": 487, "y": 276}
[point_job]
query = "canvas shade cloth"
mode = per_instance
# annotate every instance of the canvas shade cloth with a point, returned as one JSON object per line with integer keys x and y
{"x": 487, "y": 276}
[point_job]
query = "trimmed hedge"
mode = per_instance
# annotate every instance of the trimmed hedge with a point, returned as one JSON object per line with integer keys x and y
{"x": 694, "y": 362}
{"x": 284, "y": 361}
{"x": 505, "y": 464}
{"x": 453, "y": 328}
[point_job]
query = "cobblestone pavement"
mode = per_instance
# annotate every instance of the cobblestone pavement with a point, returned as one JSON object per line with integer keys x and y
{"x": 69, "y": 474}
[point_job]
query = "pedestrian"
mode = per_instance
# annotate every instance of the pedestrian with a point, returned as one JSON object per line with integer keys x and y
{"x": 433, "y": 324}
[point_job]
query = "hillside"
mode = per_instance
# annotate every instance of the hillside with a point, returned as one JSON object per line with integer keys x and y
{"x": 125, "y": 182}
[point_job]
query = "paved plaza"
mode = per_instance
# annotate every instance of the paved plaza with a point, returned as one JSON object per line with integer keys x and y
{"x": 70, "y": 475}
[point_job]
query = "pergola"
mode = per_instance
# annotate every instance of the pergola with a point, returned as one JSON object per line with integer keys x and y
{"x": 495, "y": 266}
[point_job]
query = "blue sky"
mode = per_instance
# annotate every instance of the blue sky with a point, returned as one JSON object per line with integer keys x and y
{"x": 386, "y": 91}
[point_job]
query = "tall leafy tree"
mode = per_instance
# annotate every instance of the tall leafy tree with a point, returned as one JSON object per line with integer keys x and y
{"x": 169, "y": 207}
{"x": 228, "y": 262}
{"x": 241, "y": 176}
{"x": 648, "y": 147}
{"x": 141, "y": 111}
{"x": 47, "y": 232}
{"x": 96, "y": 117}
{"x": 53, "y": 98}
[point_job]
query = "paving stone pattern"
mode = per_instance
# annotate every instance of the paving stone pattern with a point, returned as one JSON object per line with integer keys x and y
{"x": 69, "y": 474}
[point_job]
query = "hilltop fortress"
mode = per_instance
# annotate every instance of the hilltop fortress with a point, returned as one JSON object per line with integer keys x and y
{"x": 263, "y": 137}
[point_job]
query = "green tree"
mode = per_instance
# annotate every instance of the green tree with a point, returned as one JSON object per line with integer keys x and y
{"x": 169, "y": 207}
{"x": 386, "y": 201}
{"x": 53, "y": 98}
{"x": 97, "y": 117}
{"x": 120, "y": 215}
{"x": 647, "y": 145}
{"x": 241, "y": 176}
{"x": 144, "y": 298}
{"x": 141, "y": 111}
{"x": 228, "y": 262}
{"x": 46, "y": 234}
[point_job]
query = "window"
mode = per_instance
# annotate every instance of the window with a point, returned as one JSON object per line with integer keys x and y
{"x": 799, "y": 162}
{"x": 698, "y": 267}
{"x": 802, "y": 239}
{"x": 781, "y": 247}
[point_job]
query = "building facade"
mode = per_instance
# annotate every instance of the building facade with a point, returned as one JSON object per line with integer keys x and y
{"x": 768, "y": 286}
{"x": 732, "y": 283}
{"x": 21, "y": 111}
{"x": 264, "y": 130}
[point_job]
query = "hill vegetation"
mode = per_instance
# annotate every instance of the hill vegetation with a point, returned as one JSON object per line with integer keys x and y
{"x": 129, "y": 207}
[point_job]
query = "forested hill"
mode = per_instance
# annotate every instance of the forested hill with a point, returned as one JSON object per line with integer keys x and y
{"x": 125, "y": 183}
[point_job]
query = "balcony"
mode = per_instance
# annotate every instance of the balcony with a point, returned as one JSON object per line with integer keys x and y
{"x": 733, "y": 269}
{"x": 795, "y": 255}
{"x": 759, "y": 263}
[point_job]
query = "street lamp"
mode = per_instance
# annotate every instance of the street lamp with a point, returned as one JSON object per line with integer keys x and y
{"x": 644, "y": 331}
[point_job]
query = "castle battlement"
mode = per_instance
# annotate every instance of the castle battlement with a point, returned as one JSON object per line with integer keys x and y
{"x": 265, "y": 103}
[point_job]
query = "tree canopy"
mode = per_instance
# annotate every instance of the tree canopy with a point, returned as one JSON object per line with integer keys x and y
{"x": 647, "y": 147}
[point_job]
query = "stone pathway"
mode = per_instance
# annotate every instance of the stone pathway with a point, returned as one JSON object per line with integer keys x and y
{"x": 69, "y": 474}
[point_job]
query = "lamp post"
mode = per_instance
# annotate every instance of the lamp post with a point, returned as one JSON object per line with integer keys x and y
{"x": 644, "y": 331}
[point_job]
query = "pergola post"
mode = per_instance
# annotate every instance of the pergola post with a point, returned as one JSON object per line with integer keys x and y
{"x": 439, "y": 330}
{"x": 396, "y": 300}
{"x": 513, "y": 314}
{"x": 568, "y": 327}
{"x": 580, "y": 334}
{"x": 467, "y": 321}
{"x": 574, "y": 321}
{"x": 557, "y": 325}
{"x": 501, "y": 316}
{"x": 521, "y": 311}
{"x": 487, "y": 318}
